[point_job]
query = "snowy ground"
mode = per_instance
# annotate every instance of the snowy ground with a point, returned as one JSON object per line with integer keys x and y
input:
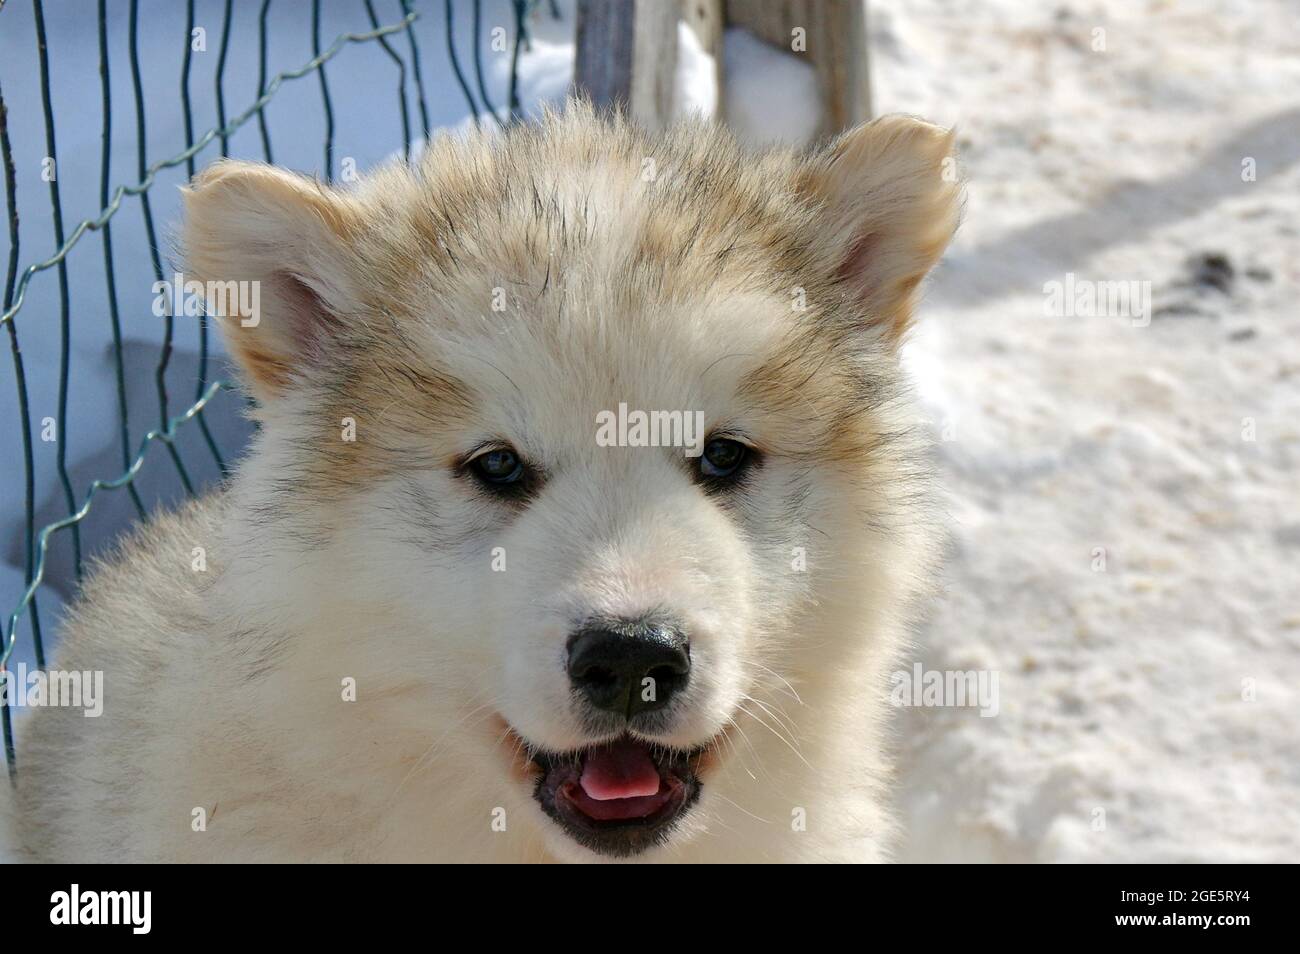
{"x": 1121, "y": 689}
{"x": 1123, "y": 493}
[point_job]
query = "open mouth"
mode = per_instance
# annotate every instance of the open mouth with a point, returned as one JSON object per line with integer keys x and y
{"x": 620, "y": 797}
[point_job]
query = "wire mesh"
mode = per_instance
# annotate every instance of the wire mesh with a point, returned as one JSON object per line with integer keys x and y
{"x": 134, "y": 459}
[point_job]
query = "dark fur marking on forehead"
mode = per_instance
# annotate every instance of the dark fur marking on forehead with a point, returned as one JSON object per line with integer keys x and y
{"x": 710, "y": 198}
{"x": 825, "y": 394}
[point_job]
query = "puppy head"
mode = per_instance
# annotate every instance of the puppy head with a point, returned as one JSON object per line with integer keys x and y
{"x": 628, "y": 444}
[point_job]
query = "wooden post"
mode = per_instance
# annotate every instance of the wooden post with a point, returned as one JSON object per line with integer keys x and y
{"x": 626, "y": 54}
{"x": 832, "y": 34}
{"x": 626, "y": 51}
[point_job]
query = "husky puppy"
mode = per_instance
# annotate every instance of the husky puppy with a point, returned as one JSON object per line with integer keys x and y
{"x": 585, "y": 519}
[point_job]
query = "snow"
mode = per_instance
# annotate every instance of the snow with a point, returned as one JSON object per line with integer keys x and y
{"x": 770, "y": 95}
{"x": 695, "y": 86}
{"x": 1123, "y": 731}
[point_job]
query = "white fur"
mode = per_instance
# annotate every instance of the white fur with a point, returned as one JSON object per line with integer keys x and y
{"x": 224, "y": 687}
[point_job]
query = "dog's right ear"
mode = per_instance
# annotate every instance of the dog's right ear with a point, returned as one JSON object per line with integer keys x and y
{"x": 289, "y": 238}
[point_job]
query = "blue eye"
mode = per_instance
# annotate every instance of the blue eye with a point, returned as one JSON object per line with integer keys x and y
{"x": 723, "y": 458}
{"x": 498, "y": 467}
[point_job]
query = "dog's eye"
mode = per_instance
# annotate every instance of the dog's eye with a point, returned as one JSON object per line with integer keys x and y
{"x": 723, "y": 459}
{"x": 498, "y": 467}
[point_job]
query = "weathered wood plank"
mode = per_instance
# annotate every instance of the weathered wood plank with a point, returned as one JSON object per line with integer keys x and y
{"x": 602, "y": 67}
{"x": 654, "y": 62}
{"x": 626, "y": 54}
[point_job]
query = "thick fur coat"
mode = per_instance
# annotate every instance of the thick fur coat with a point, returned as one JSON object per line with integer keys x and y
{"x": 374, "y": 646}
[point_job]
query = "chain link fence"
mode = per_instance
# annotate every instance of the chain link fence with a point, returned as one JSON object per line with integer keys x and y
{"x": 174, "y": 430}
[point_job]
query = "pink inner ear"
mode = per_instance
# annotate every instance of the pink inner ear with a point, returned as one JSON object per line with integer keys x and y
{"x": 306, "y": 322}
{"x": 853, "y": 268}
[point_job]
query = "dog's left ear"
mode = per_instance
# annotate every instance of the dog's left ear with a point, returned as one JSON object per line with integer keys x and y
{"x": 889, "y": 200}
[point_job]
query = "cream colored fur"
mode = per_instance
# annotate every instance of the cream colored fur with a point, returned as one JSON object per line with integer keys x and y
{"x": 666, "y": 273}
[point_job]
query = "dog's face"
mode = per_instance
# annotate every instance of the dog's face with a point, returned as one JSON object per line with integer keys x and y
{"x": 598, "y": 421}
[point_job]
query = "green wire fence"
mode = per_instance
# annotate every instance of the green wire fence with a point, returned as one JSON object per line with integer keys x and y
{"x": 133, "y": 457}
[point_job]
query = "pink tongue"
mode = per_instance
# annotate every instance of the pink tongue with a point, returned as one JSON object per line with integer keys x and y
{"x": 622, "y": 769}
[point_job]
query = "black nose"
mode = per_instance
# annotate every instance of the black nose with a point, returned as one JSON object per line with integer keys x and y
{"x": 629, "y": 667}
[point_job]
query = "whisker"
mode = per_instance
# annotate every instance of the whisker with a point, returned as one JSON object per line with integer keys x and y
{"x": 784, "y": 680}
{"x": 790, "y": 745}
{"x": 750, "y": 745}
{"x": 431, "y": 751}
{"x": 741, "y": 808}
{"x": 782, "y": 719}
